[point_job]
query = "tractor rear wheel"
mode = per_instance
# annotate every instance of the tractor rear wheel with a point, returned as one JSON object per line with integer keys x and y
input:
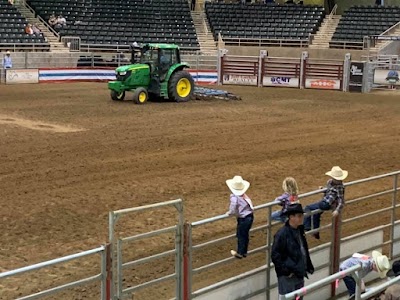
{"x": 117, "y": 96}
{"x": 181, "y": 86}
{"x": 140, "y": 96}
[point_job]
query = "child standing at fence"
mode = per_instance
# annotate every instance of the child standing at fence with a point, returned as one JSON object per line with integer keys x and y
{"x": 333, "y": 199}
{"x": 290, "y": 196}
{"x": 241, "y": 207}
{"x": 377, "y": 262}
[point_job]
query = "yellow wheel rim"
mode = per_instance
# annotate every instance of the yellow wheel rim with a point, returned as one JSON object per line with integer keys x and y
{"x": 119, "y": 96}
{"x": 183, "y": 88}
{"x": 142, "y": 97}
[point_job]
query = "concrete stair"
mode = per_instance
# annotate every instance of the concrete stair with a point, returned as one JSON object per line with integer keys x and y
{"x": 381, "y": 44}
{"x": 204, "y": 34}
{"x": 324, "y": 34}
{"x": 51, "y": 38}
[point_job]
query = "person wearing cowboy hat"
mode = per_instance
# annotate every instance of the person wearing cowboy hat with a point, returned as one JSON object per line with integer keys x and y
{"x": 333, "y": 199}
{"x": 241, "y": 207}
{"x": 376, "y": 262}
{"x": 393, "y": 291}
{"x": 7, "y": 61}
{"x": 290, "y": 253}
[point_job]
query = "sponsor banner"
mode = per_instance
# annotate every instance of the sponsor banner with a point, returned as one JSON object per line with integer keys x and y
{"x": 386, "y": 77}
{"x": 281, "y": 81}
{"x": 17, "y": 76}
{"x": 81, "y": 75}
{"x": 325, "y": 84}
{"x": 239, "y": 79}
{"x": 356, "y": 76}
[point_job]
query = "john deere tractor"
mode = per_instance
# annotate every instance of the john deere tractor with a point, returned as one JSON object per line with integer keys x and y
{"x": 156, "y": 71}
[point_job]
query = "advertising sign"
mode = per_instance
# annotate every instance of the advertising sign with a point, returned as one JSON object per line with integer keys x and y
{"x": 240, "y": 79}
{"x": 386, "y": 77}
{"x": 281, "y": 81}
{"x": 325, "y": 84}
{"x": 356, "y": 76}
{"x": 16, "y": 76}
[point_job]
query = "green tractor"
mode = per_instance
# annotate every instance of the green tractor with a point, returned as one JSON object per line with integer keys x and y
{"x": 156, "y": 72}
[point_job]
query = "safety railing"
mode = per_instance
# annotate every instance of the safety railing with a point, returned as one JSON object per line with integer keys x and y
{"x": 17, "y": 47}
{"x": 117, "y": 244}
{"x": 317, "y": 285}
{"x": 190, "y": 248}
{"x": 336, "y": 44}
{"x": 230, "y": 41}
{"x": 85, "y": 47}
{"x": 103, "y": 277}
{"x": 72, "y": 42}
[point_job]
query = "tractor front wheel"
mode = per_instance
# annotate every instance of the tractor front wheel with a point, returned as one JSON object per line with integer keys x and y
{"x": 117, "y": 96}
{"x": 181, "y": 86}
{"x": 140, "y": 96}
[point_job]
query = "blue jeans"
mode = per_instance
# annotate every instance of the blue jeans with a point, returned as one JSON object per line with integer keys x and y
{"x": 316, "y": 218}
{"x": 350, "y": 284}
{"x": 278, "y": 216}
{"x": 242, "y": 233}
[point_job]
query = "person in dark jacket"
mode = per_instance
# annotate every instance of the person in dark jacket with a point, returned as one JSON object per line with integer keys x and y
{"x": 290, "y": 252}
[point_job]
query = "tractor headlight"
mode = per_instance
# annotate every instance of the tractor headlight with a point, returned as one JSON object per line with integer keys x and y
{"x": 122, "y": 73}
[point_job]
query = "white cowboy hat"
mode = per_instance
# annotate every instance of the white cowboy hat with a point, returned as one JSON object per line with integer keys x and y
{"x": 381, "y": 262}
{"x": 8, "y": 52}
{"x": 237, "y": 185}
{"x": 337, "y": 173}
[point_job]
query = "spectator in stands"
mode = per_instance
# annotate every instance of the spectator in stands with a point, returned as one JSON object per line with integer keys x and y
{"x": 53, "y": 20}
{"x": 377, "y": 262}
{"x": 241, "y": 207}
{"x": 333, "y": 199}
{"x": 392, "y": 292}
{"x": 290, "y": 252}
{"x": 36, "y": 29}
{"x": 61, "y": 20}
{"x": 193, "y": 4}
{"x": 289, "y": 196}
{"x": 378, "y": 2}
{"x": 7, "y": 61}
{"x": 28, "y": 29}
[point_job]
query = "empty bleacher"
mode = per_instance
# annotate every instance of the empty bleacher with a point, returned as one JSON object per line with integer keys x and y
{"x": 360, "y": 21}
{"x": 123, "y": 21}
{"x": 12, "y": 31}
{"x": 264, "y": 21}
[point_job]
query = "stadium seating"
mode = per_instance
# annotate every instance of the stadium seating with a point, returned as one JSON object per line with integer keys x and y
{"x": 123, "y": 21}
{"x": 265, "y": 21}
{"x": 360, "y": 21}
{"x": 12, "y": 29}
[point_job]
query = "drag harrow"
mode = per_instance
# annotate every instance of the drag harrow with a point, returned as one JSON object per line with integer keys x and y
{"x": 206, "y": 94}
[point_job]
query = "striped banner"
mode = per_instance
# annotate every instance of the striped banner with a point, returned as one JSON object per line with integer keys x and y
{"x": 98, "y": 74}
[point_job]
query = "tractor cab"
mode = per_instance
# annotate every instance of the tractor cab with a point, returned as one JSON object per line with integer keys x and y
{"x": 157, "y": 69}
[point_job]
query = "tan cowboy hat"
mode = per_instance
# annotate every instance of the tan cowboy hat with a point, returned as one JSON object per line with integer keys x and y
{"x": 337, "y": 173}
{"x": 237, "y": 185}
{"x": 381, "y": 262}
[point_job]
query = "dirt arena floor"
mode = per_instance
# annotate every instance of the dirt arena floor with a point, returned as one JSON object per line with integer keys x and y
{"x": 69, "y": 155}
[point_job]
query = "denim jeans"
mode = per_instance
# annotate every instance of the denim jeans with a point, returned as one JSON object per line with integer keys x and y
{"x": 278, "y": 216}
{"x": 316, "y": 218}
{"x": 242, "y": 233}
{"x": 350, "y": 284}
{"x": 289, "y": 284}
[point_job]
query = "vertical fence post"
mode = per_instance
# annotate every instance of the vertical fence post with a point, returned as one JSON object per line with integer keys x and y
{"x": 108, "y": 272}
{"x": 268, "y": 258}
{"x": 105, "y": 295}
{"x": 303, "y": 62}
{"x": 111, "y": 224}
{"x": 393, "y": 217}
{"x": 179, "y": 252}
{"x": 346, "y": 72}
{"x": 335, "y": 250}
{"x": 261, "y": 60}
{"x": 187, "y": 261}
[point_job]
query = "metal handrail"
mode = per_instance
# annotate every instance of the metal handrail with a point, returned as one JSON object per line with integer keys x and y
{"x": 263, "y": 41}
{"x": 41, "y": 20}
{"x": 325, "y": 281}
{"x": 50, "y": 262}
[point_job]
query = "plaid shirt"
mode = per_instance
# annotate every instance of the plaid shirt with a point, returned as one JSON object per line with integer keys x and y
{"x": 334, "y": 195}
{"x": 285, "y": 200}
{"x": 357, "y": 258}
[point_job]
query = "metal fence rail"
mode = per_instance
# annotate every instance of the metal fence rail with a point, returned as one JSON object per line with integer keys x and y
{"x": 334, "y": 245}
{"x": 103, "y": 276}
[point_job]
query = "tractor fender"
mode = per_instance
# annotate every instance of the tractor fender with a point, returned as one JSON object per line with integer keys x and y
{"x": 175, "y": 68}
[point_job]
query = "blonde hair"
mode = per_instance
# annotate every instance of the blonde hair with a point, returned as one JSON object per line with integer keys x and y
{"x": 289, "y": 186}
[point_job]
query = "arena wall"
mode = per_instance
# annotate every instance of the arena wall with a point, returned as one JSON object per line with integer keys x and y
{"x": 296, "y": 52}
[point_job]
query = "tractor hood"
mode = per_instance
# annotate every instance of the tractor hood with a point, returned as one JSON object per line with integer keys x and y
{"x": 131, "y": 67}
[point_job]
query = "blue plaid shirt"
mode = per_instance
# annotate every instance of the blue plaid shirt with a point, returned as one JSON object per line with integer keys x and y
{"x": 334, "y": 195}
